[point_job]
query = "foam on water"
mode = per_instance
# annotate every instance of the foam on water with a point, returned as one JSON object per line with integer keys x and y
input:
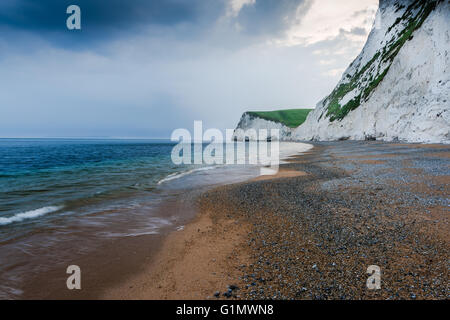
{"x": 178, "y": 175}
{"x": 29, "y": 214}
{"x": 287, "y": 149}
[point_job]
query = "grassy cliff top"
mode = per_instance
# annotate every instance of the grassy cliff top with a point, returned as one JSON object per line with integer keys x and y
{"x": 291, "y": 118}
{"x": 364, "y": 79}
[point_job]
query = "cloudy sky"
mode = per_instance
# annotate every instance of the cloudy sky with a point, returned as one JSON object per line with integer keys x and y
{"x": 141, "y": 68}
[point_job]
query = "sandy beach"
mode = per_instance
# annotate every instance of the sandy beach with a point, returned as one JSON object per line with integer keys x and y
{"x": 312, "y": 231}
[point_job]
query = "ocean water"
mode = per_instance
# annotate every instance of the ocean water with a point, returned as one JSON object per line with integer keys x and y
{"x": 44, "y": 179}
{"x": 57, "y": 194}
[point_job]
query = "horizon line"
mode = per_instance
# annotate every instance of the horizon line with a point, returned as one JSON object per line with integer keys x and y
{"x": 89, "y": 138}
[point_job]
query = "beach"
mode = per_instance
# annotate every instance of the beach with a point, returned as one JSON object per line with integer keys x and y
{"x": 309, "y": 232}
{"x": 108, "y": 210}
{"x": 312, "y": 231}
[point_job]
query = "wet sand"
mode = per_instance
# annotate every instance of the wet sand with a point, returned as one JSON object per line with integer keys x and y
{"x": 205, "y": 254}
{"x": 202, "y": 256}
{"x": 113, "y": 262}
{"x": 312, "y": 231}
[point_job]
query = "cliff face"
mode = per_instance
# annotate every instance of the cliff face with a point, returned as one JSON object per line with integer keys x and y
{"x": 249, "y": 122}
{"x": 398, "y": 88}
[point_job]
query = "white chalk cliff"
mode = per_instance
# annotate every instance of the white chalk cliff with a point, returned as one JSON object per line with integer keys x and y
{"x": 398, "y": 88}
{"x": 250, "y": 125}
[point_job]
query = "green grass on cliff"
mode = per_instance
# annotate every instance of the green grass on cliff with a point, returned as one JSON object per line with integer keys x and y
{"x": 291, "y": 118}
{"x": 382, "y": 60}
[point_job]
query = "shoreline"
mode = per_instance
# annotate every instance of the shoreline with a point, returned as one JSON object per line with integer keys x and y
{"x": 189, "y": 263}
{"x": 307, "y": 233}
{"x": 115, "y": 261}
{"x": 207, "y": 253}
{"x": 311, "y": 232}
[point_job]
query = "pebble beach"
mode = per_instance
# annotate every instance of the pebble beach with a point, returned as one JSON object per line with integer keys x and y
{"x": 357, "y": 204}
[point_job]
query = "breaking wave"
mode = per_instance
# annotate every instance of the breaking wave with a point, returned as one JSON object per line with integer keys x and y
{"x": 29, "y": 214}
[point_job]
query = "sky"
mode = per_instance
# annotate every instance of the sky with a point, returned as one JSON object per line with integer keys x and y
{"x": 141, "y": 69}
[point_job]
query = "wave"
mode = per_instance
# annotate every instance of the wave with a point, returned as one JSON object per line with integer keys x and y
{"x": 178, "y": 175}
{"x": 286, "y": 150}
{"x": 29, "y": 214}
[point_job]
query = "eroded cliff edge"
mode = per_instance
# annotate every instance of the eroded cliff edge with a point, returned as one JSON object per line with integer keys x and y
{"x": 398, "y": 88}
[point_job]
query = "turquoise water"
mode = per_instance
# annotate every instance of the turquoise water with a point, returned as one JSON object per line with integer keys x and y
{"x": 44, "y": 179}
{"x": 62, "y": 198}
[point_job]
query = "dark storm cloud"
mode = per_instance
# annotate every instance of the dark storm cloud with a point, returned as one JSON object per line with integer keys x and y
{"x": 101, "y": 19}
{"x": 50, "y": 15}
{"x": 270, "y": 16}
